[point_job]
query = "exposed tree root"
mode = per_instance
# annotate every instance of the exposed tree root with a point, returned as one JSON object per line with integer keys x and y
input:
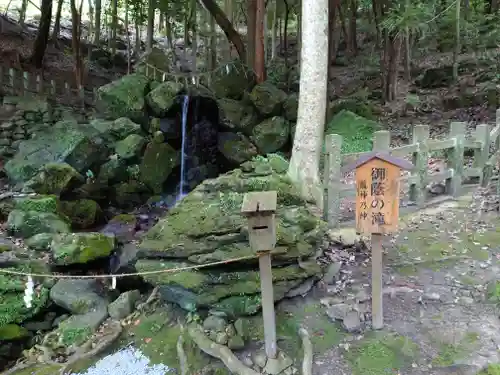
{"x": 234, "y": 365}
{"x": 308, "y": 352}
{"x": 104, "y": 343}
{"x": 183, "y": 363}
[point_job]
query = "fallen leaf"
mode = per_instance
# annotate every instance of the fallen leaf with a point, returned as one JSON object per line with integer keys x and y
{"x": 147, "y": 340}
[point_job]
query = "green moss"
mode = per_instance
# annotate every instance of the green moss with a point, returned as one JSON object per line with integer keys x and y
{"x": 83, "y": 213}
{"x": 45, "y": 203}
{"x": 381, "y": 354}
{"x": 157, "y": 338}
{"x": 12, "y": 332}
{"x": 71, "y": 248}
{"x": 449, "y": 354}
{"x": 124, "y": 219}
{"x": 493, "y": 369}
{"x": 73, "y": 335}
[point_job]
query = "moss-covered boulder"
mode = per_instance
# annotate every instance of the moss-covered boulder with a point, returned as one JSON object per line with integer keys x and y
{"x": 124, "y": 97}
{"x": 357, "y": 131}
{"x": 55, "y": 178}
{"x": 291, "y": 107}
{"x": 236, "y": 147}
{"x": 157, "y": 164}
{"x": 268, "y": 99}
{"x": 207, "y": 226}
{"x": 113, "y": 131}
{"x": 131, "y": 147}
{"x": 237, "y": 115}
{"x": 82, "y": 213}
{"x": 113, "y": 171}
{"x": 40, "y": 242}
{"x": 65, "y": 142}
{"x": 130, "y": 194}
{"x": 161, "y": 98}
{"x": 271, "y": 134}
{"x": 41, "y": 203}
{"x": 26, "y": 224}
{"x": 232, "y": 81}
{"x": 78, "y": 248}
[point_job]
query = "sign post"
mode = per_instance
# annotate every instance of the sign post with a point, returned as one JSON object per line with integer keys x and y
{"x": 377, "y": 212}
{"x": 260, "y": 208}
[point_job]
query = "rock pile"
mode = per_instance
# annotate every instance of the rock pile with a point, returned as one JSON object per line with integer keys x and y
{"x": 206, "y": 226}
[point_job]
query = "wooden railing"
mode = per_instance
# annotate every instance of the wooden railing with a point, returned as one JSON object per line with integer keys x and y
{"x": 22, "y": 83}
{"x": 484, "y": 143}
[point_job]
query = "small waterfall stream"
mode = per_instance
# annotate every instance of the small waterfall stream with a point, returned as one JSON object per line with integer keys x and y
{"x": 182, "y": 183}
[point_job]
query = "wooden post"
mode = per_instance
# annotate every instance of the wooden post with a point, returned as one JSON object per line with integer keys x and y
{"x": 456, "y": 159}
{"x": 377, "y": 209}
{"x": 260, "y": 208}
{"x": 331, "y": 178}
{"x": 26, "y": 82}
{"x": 12, "y": 80}
{"x": 52, "y": 87}
{"x": 481, "y": 155}
{"x": 418, "y": 191}
{"x": 39, "y": 84}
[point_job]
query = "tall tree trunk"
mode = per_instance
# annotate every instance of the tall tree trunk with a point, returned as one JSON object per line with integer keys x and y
{"x": 114, "y": 25}
{"x": 226, "y": 26}
{"x": 251, "y": 32}
{"x": 353, "y": 29}
{"x": 129, "y": 47}
{"x": 228, "y": 9}
{"x": 76, "y": 31}
{"x": 390, "y": 63}
{"x": 407, "y": 51}
{"x": 332, "y": 34}
{"x": 91, "y": 30}
{"x": 151, "y": 24}
{"x": 260, "y": 64}
{"x": 43, "y": 34}
{"x": 285, "y": 31}
{"x": 57, "y": 22}
{"x": 308, "y": 141}
{"x": 22, "y": 12}
{"x": 274, "y": 31}
{"x": 97, "y": 28}
{"x": 456, "y": 52}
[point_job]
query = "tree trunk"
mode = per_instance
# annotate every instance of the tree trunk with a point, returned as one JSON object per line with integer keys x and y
{"x": 151, "y": 24}
{"x": 226, "y": 26}
{"x": 137, "y": 38}
{"x": 43, "y": 34}
{"x": 114, "y": 25}
{"x": 353, "y": 29}
{"x": 75, "y": 42}
{"x": 251, "y": 32}
{"x": 91, "y": 30}
{"x": 97, "y": 28}
{"x": 274, "y": 31}
{"x": 308, "y": 141}
{"x": 129, "y": 47}
{"x": 22, "y": 12}
{"x": 228, "y": 9}
{"x": 389, "y": 68}
{"x": 376, "y": 19}
{"x": 456, "y": 52}
{"x": 332, "y": 34}
{"x": 260, "y": 64}
{"x": 57, "y": 22}
{"x": 285, "y": 32}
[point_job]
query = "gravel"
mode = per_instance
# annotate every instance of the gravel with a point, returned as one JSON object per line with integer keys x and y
{"x": 127, "y": 361}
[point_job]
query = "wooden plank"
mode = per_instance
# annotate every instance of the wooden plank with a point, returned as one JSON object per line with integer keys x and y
{"x": 268, "y": 314}
{"x": 456, "y": 159}
{"x": 402, "y": 151}
{"x": 331, "y": 176}
{"x": 473, "y": 143}
{"x": 437, "y": 145}
{"x": 418, "y": 190}
{"x": 377, "y": 282}
{"x": 259, "y": 201}
{"x": 481, "y": 154}
{"x": 494, "y": 133}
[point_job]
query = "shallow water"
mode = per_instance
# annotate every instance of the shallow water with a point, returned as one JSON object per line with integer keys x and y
{"x": 126, "y": 361}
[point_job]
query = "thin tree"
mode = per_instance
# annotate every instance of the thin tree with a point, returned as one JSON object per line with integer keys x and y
{"x": 307, "y": 145}
{"x": 260, "y": 63}
{"x": 42, "y": 37}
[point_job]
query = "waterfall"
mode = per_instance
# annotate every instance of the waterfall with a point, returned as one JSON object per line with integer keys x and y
{"x": 182, "y": 183}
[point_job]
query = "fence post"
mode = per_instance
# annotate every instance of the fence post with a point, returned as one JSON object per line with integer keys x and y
{"x": 52, "y": 87}
{"x": 482, "y": 134}
{"x": 12, "y": 80}
{"x": 331, "y": 180}
{"x": 26, "y": 82}
{"x": 39, "y": 84}
{"x": 456, "y": 159}
{"x": 382, "y": 140}
{"x": 420, "y": 159}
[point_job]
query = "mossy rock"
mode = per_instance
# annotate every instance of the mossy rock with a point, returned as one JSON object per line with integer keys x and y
{"x": 13, "y": 332}
{"x": 207, "y": 226}
{"x": 76, "y": 248}
{"x": 157, "y": 164}
{"x": 268, "y": 99}
{"x": 42, "y": 203}
{"x": 26, "y": 224}
{"x": 40, "y": 242}
{"x": 357, "y": 106}
{"x": 131, "y": 147}
{"x": 55, "y": 178}
{"x": 271, "y": 135}
{"x": 83, "y": 213}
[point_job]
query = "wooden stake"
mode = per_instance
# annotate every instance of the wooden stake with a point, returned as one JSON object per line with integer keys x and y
{"x": 266, "y": 288}
{"x": 377, "y": 267}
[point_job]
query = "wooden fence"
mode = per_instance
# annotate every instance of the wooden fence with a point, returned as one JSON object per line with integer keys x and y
{"x": 23, "y": 83}
{"x": 484, "y": 143}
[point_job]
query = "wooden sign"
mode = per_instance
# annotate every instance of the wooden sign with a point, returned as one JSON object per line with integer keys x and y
{"x": 377, "y": 192}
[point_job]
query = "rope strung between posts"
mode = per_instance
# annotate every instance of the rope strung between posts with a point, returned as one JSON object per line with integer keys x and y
{"x": 30, "y": 285}
{"x": 111, "y": 276}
